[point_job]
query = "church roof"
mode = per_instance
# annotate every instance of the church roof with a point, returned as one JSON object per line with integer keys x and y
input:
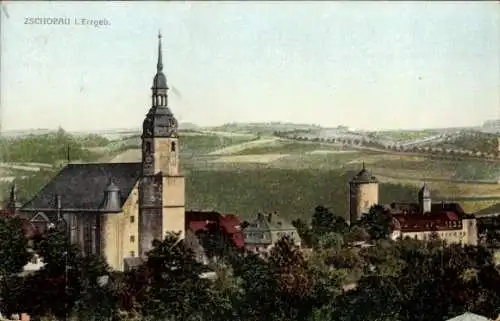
{"x": 82, "y": 186}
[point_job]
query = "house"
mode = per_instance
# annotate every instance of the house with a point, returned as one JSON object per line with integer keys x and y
{"x": 265, "y": 230}
{"x": 117, "y": 209}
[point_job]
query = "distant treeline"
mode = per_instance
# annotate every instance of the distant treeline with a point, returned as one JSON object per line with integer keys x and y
{"x": 49, "y": 148}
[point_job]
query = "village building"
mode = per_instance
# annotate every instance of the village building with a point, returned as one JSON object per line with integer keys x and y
{"x": 262, "y": 233}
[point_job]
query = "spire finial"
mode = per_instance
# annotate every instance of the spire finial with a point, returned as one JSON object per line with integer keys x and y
{"x": 364, "y": 165}
{"x": 159, "y": 66}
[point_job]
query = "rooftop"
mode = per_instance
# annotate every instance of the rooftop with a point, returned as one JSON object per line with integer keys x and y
{"x": 364, "y": 177}
{"x": 82, "y": 186}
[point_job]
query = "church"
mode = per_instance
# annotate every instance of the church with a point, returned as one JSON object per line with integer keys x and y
{"x": 118, "y": 209}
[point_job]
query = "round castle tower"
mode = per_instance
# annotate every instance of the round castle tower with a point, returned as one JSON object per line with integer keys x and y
{"x": 363, "y": 194}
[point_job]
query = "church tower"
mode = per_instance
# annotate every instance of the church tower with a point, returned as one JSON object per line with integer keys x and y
{"x": 161, "y": 189}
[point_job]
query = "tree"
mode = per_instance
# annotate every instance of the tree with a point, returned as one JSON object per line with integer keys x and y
{"x": 356, "y": 234}
{"x": 377, "y": 222}
{"x": 68, "y": 275}
{"x": 97, "y": 300}
{"x": 331, "y": 240}
{"x": 15, "y": 255}
{"x": 216, "y": 243}
{"x": 299, "y": 293}
{"x": 13, "y": 246}
{"x": 323, "y": 221}
{"x": 304, "y": 231}
{"x": 174, "y": 289}
{"x": 436, "y": 282}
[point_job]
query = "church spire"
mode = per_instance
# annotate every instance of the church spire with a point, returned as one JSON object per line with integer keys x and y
{"x": 159, "y": 65}
{"x": 160, "y": 81}
{"x": 159, "y": 122}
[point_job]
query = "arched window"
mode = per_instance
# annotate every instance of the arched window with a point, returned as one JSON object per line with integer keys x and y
{"x": 172, "y": 145}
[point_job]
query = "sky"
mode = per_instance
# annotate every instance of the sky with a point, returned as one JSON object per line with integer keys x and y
{"x": 367, "y": 65}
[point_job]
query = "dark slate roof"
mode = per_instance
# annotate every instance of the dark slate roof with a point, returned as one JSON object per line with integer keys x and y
{"x": 364, "y": 176}
{"x": 160, "y": 81}
{"x": 82, "y": 186}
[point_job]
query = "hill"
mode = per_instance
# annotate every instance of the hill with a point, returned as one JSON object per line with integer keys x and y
{"x": 247, "y": 173}
{"x": 473, "y": 141}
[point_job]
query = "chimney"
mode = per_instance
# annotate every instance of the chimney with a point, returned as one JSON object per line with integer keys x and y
{"x": 112, "y": 199}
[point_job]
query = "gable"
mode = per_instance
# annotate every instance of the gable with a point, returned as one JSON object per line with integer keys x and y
{"x": 40, "y": 217}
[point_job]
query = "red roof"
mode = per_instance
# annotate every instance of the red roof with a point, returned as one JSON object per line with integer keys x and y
{"x": 229, "y": 224}
{"x": 196, "y": 226}
{"x": 428, "y": 222}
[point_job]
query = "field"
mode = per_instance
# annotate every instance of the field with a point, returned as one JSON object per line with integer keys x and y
{"x": 245, "y": 173}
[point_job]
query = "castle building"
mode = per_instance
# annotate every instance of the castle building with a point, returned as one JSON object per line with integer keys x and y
{"x": 363, "y": 194}
{"x": 118, "y": 209}
{"x": 421, "y": 220}
{"x": 426, "y": 219}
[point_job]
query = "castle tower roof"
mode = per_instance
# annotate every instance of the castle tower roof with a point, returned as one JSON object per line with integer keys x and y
{"x": 364, "y": 177}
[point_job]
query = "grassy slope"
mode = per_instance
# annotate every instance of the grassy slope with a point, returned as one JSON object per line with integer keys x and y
{"x": 294, "y": 185}
{"x": 288, "y": 191}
